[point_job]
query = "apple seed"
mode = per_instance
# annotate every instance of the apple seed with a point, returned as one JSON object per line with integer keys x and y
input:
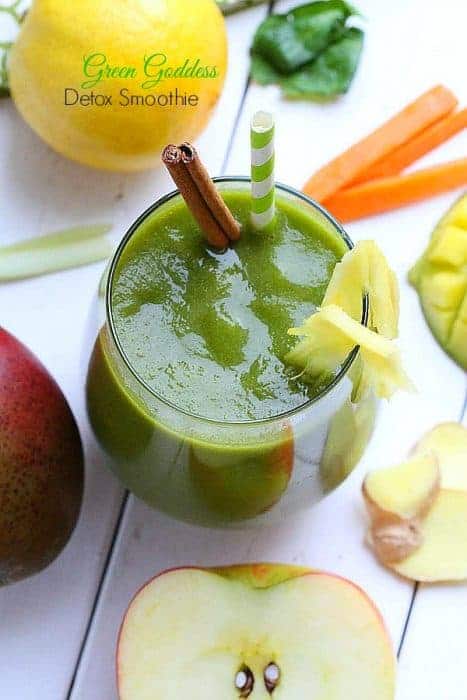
{"x": 244, "y": 681}
{"x": 272, "y": 676}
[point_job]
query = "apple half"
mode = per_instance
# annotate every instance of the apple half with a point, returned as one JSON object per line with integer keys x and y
{"x": 257, "y": 631}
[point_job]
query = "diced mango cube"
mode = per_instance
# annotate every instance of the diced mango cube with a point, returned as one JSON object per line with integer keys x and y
{"x": 450, "y": 248}
{"x": 457, "y": 216}
{"x": 444, "y": 289}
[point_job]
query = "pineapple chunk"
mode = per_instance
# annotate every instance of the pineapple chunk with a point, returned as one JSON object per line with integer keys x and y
{"x": 328, "y": 337}
{"x": 364, "y": 270}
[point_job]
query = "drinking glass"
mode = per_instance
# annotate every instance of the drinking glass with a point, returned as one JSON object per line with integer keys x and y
{"x": 219, "y": 473}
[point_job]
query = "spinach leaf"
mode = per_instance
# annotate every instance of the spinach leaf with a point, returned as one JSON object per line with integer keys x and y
{"x": 331, "y": 73}
{"x": 309, "y": 51}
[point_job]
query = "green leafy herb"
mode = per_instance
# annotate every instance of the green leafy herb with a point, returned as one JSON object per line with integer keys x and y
{"x": 62, "y": 250}
{"x": 5, "y": 46}
{"x": 228, "y": 7}
{"x": 13, "y": 9}
{"x": 17, "y": 15}
{"x": 310, "y": 52}
{"x": 331, "y": 73}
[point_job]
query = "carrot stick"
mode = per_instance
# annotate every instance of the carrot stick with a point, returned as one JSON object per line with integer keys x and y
{"x": 408, "y": 153}
{"x": 392, "y": 192}
{"x": 418, "y": 115}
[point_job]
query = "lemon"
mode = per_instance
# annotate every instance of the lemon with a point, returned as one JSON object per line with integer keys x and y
{"x": 440, "y": 278}
{"x": 136, "y": 74}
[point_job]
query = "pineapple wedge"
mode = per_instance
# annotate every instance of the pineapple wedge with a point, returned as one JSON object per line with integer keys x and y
{"x": 329, "y": 336}
{"x": 364, "y": 270}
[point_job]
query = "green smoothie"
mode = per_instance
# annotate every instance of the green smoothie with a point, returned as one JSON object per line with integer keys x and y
{"x": 196, "y": 343}
{"x": 208, "y": 331}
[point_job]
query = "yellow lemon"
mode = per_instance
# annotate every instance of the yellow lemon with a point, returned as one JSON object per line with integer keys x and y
{"x": 109, "y": 82}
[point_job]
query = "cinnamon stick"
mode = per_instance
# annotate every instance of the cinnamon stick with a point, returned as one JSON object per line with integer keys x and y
{"x": 200, "y": 195}
{"x": 209, "y": 192}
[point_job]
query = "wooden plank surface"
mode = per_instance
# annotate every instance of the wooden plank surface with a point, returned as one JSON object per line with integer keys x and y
{"x": 43, "y": 621}
{"x": 432, "y": 660}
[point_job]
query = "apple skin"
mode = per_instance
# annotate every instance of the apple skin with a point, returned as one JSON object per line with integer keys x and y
{"x": 41, "y": 464}
{"x": 241, "y": 484}
{"x": 262, "y": 576}
{"x": 258, "y": 575}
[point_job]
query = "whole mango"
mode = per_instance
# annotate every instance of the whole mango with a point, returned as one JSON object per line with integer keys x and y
{"x": 41, "y": 464}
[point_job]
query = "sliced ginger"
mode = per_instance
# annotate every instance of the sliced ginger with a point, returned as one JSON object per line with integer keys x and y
{"x": 443, "y": 554}
{"x": 406, "y": 490}
{"x": 448, "y": 442}
{"x": 397, "y": 498}
{"x": 328, "y": 337}
{"x": 418, "y": 510}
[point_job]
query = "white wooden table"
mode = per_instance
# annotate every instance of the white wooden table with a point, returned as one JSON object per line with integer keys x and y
{"x": 58, "y": 630}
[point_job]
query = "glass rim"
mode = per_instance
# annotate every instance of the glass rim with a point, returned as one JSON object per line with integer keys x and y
{"x": 152, "y": 392}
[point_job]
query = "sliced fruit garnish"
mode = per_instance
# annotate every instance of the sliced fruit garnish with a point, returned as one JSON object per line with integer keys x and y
{"x": 364, "y": 270}
{"x": 448, "y": 442}
{"x": 440, "y": 278}
{"x": 330, "y": 334}
{"x": 397, "y": 499}
{"x": 443, "y": 554}
{"x": 228, "y": 633}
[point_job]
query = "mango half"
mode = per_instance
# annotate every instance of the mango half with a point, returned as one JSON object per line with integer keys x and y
{"x": 440, "y": 278}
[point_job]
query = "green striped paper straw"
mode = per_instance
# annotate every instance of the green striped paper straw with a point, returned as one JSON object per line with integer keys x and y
{"x": 262, "y": 170}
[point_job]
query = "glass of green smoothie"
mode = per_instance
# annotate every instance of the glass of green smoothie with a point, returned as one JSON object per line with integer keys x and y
{"x": 188, "y": 390}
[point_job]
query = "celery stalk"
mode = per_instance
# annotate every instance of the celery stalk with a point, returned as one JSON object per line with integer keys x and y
{"x": 22, "y": 261}
{"x": 50, "y": 240}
